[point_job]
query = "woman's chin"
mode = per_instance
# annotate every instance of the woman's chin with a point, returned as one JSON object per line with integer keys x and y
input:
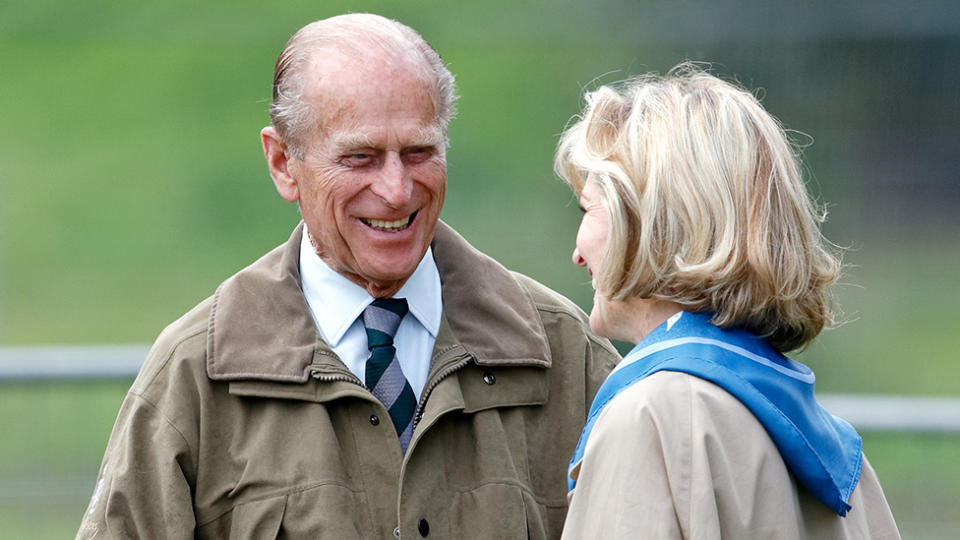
{"x": 597, "y": 323}
{"x": 612, "y": 320}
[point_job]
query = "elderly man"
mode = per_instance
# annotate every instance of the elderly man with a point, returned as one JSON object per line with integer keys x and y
{"x": 375, "y": 376}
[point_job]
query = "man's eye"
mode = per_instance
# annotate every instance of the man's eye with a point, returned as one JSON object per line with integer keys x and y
{"x": 417, "y": 155}
{"x": 357, "y": 159}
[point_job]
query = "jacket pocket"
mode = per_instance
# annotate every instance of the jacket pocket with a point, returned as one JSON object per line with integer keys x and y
{"x": 538, "y": 519}
{"x": 325, "y": 512}
{"x": 497, "y": 511}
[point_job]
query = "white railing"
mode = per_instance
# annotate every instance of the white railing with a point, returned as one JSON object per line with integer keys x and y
{"x": 64, "y": 362}
{"x": 895, "y": 412}
{"x": 69, "y": 362}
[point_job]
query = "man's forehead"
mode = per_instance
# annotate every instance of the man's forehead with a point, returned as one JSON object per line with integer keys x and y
{"x": 343, "y": 71}
{"x": 335, "y": 83}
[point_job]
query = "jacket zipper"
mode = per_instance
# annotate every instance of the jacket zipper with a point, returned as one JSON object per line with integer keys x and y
{"x": 318, "y": 375}
{"x": 425, "y": 394}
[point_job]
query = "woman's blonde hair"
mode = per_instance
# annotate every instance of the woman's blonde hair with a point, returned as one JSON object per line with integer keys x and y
{"x": 706, "y": 202}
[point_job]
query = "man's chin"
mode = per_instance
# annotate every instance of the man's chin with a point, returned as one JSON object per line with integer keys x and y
{"x": 388, "y": 278}
{"x": 384, "y": 288}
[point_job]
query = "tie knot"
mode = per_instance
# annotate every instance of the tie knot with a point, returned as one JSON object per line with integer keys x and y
{"x": 382, "y": 318}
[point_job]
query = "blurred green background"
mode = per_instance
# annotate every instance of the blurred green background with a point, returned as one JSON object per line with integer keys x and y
{"x": 132, "y": 183}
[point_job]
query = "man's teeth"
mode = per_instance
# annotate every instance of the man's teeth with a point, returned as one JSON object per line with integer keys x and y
{"x": 388, "y": 225}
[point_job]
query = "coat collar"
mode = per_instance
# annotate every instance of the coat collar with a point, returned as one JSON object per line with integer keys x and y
{"x": 493, "y": 317}
{"x": 260, "y": 327}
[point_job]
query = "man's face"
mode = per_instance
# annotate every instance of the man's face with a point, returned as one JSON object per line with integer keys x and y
{"x": 373, "y": 176}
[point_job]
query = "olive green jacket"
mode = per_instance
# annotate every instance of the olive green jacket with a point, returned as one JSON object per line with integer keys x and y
{"x": 244, "y": 424}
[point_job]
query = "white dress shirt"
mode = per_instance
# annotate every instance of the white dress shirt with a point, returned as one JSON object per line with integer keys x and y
{"x": 336, "y": 304}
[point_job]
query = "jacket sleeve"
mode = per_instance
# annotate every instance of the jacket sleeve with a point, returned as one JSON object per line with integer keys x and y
{"x": 144, "y": 486}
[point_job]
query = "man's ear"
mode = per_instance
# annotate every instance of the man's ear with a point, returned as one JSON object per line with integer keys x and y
{"x": 275, "y": 151}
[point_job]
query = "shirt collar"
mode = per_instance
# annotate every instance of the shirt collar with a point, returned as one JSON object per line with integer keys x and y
{"x": 336, "y": 302}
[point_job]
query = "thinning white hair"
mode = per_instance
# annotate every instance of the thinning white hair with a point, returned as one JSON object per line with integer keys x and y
{"x": 294, "y": 118}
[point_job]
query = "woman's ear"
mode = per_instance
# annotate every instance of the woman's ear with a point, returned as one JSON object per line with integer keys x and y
{"x": 275, "y": 151}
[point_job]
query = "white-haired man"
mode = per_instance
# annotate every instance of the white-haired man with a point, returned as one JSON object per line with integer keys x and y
{"x": 374, "y": 376}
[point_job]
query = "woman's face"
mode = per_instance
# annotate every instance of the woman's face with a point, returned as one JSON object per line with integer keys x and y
{"x": 591, "y": 247}
{"x": 629, "y": 320}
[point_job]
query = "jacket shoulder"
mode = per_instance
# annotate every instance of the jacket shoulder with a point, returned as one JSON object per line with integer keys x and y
{"x": 183, "y": 341}
{"x": 555, "y": 305}
{"x": 546, "y": 299}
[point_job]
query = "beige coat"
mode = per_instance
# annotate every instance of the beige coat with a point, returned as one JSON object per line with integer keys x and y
{"x": 675, "y": 456}
{"x": 243, "y": 424}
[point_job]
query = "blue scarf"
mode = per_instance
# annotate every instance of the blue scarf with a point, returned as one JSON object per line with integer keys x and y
{"x": 822, "y": 451}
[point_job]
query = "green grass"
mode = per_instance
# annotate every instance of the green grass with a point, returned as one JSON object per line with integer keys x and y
{"x": 132, "y": 183}
{"x": 57, "y": 426}
{"x": 54, "y": 438}
{"x": 899, "y": 336}
{"x": 919, "y": 475}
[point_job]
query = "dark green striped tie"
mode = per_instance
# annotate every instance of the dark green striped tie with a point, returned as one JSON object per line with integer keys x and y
{"x": 383, "y": 376}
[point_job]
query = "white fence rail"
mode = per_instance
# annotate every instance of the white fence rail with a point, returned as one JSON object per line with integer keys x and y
{"x": 865, "y": 412}
{"x": 67, "y": 362}
{"x": 895, "y": 413}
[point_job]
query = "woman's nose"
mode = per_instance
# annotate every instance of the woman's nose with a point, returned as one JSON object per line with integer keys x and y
{"x": 577, "y": 259}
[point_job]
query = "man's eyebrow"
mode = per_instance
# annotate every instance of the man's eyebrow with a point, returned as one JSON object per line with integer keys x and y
{"x": 426, "y": 136}
{"x": 352, "y": 141}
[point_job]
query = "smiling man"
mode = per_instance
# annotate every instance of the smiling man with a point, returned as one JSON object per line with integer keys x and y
{"x": 375, "y": 376}
{"x": 370, "y": 174}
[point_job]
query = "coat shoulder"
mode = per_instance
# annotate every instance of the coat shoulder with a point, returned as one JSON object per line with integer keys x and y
{"x": 182, "y": 344}
{"x": 551, "y": 304}
{"x": 546, "y": 299}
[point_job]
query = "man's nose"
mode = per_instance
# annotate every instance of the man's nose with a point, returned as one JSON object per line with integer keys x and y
{"x": 394, "y": 185}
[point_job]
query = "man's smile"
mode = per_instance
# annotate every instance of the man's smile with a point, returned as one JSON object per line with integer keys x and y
{"x": 390, "y": 226}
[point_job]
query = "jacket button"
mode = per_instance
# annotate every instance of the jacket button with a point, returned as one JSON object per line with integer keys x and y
{"x": 375, "y": 420}
{"x": 423, "y": 527}
{"x": 396, "y": 532}
{"x": 489, "y": 378}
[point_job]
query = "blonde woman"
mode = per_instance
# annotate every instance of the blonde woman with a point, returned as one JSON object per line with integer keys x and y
{"x": 705, "y": 250}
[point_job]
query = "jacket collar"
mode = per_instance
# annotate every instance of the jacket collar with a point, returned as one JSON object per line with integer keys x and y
{"x": 493, "y": 317}
{"x": 260, "y": 326}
